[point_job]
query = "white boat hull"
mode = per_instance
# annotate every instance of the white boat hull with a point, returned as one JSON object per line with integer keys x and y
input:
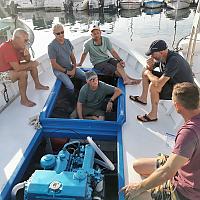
{"x": 179, "y": 4}
{"x": 130, "y": 5}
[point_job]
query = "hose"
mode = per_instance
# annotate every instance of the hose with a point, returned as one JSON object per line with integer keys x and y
{"x": 16, "y": 188}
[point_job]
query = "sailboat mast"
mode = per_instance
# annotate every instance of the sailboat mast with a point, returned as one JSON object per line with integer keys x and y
{"x": 193, "y": 36}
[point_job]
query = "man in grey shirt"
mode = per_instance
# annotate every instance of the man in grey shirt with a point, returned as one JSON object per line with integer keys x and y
{"x": 63, "y": 60}
{"x": 92, "y": 97}
{"x": 98, "y": 47}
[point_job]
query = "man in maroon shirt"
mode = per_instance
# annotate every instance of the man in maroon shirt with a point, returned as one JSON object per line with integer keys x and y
{"x": 15, "y": 62}
{"x": 181, "y": 170}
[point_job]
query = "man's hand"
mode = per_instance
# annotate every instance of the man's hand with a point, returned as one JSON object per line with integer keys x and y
{"x": 150, "y": 63}
{"x": 147, "y": 72}
{"x": 122, "y": 63}
{"x": 79, "y": 65}
{"x": 132, "y": 191}
{"x": 26, "y": 52}
{"x": 71, "y": 73}
{"x": 109, "y": 106}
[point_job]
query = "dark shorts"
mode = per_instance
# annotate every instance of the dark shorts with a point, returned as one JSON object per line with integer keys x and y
{"x": 107, "y": 67}
{"x": 166, "y": 92}
{"x": 166, "y": 191}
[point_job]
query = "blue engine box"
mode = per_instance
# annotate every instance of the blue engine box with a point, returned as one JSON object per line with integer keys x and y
{"x": 46, "y": 184}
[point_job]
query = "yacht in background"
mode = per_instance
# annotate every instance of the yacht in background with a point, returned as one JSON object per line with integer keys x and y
{"x": 77, "y": 5}
{"x": 130, "y": 4}
{"x": 153, "y": 3}
{"x": 54, "y": 5}
{"x": 179, "y": 4}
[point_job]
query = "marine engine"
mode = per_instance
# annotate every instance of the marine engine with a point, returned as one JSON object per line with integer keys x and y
{"x": 73, "y": 174}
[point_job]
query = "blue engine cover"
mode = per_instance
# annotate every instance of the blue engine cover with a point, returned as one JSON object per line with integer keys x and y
{"x": 66, "y": 186}
{"x": 69, "y": 176}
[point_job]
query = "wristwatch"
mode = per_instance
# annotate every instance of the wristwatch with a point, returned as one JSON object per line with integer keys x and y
{"x": 111, "y": 101}
{"x": 65, "y": 71}
{"x": 120, "y": 60}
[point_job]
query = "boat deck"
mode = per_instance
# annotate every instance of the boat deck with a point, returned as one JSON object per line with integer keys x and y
{"x": 16, "y": 133}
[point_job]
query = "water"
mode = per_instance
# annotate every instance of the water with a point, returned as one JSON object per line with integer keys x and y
{"x": 136, "y": 28}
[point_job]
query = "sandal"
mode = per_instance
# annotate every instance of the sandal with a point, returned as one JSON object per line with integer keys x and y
{"x": 146, "y": 118}
{"x": 135, "y": 98}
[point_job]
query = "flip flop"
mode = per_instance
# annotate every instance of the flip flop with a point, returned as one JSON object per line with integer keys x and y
{"x": 145, "y": 118}
{"x": 135, "y": 98}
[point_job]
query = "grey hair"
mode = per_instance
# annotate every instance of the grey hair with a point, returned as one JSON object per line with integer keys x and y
{"x": 18, "y": 32}
{"x": 57, "y": 26}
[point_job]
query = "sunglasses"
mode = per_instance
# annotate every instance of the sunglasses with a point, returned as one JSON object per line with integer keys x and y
{"x": 62, "y": 32}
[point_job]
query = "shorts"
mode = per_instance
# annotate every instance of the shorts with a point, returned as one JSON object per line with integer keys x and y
{"x": 166, "y": 92}
{"x": 107, "y": 67}
{"x": 166, "y": 191}
{"x": 5, "y": 77}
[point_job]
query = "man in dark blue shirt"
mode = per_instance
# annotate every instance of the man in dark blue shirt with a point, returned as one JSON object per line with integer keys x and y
{"x": 173, "y": 69}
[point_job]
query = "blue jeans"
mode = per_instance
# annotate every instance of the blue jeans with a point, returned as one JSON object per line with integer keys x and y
{"x": 80, "y": 74}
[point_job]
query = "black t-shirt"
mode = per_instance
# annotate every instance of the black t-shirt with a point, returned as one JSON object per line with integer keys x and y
{"x": 177, "y": 68}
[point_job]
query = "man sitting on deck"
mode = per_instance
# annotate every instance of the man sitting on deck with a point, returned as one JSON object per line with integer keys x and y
{"x": 63, "y": 60}
{"x": 177, "y": 175}
{"x": 97, "y": 47}
{"x": 15, "y": 62}
{"x": 92, "y": 97}
{"x": 173, "y": 69}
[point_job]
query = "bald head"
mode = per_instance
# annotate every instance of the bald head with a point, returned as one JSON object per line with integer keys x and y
{"x": 20, "y": 38}
{"x": 19, "y": 32}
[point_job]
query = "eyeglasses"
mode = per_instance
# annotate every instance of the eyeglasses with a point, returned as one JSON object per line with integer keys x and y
{"x": 62, "y": 32}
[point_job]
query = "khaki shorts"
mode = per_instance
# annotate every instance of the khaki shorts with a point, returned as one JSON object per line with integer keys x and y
{"x": 5, "y": 77}
{"x": 166, "y": 191}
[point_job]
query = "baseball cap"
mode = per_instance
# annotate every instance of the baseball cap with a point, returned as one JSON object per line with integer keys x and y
{"x": 90, "y": 75}
{"x": 94, "y": 28}
{"x": 156, "y": 46}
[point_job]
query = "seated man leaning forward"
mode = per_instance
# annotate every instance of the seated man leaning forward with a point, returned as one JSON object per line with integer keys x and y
{"x": 177, "y": 176}
{"x": 97, "y": 47}
{"x": 15, "y": 62}
{"x": 173, "y": 69}
{"x": 63, "y": 60}
{"x": 92, "y": 97}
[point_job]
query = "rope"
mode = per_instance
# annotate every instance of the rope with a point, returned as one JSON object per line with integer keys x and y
{"x": 5, "y": 93}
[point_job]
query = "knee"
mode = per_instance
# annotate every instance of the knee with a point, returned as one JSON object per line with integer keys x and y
{"x": 137, "y": 166}
{"x": 23, "y": 75}
{"x": 70, "y": 89}
{"x": 153, "y": 88}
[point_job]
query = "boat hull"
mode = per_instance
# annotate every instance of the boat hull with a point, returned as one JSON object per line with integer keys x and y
{"x": 130, "y": 5}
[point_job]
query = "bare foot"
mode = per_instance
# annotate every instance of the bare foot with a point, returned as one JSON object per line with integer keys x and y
{"x": 132, "y": 82}
{"x": 28, "y": 103}
{"x": 41, "y": 87}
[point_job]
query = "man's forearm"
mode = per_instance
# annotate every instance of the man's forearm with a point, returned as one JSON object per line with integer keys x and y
{"x": 79, "y": 110}
{"x": 116, "y": 94}
{"x": 115, "y": 55}
{"x": 73, "y": 59}
{"x": 158, "y": 177}
{"x": 83, "y": 56}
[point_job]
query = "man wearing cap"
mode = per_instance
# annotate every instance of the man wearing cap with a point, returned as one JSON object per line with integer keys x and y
{"x": 92, "y": 97}
{"x": 173, "y": 68}
{"x": 98, "y": 46}
{"x": 63, "y": 60}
